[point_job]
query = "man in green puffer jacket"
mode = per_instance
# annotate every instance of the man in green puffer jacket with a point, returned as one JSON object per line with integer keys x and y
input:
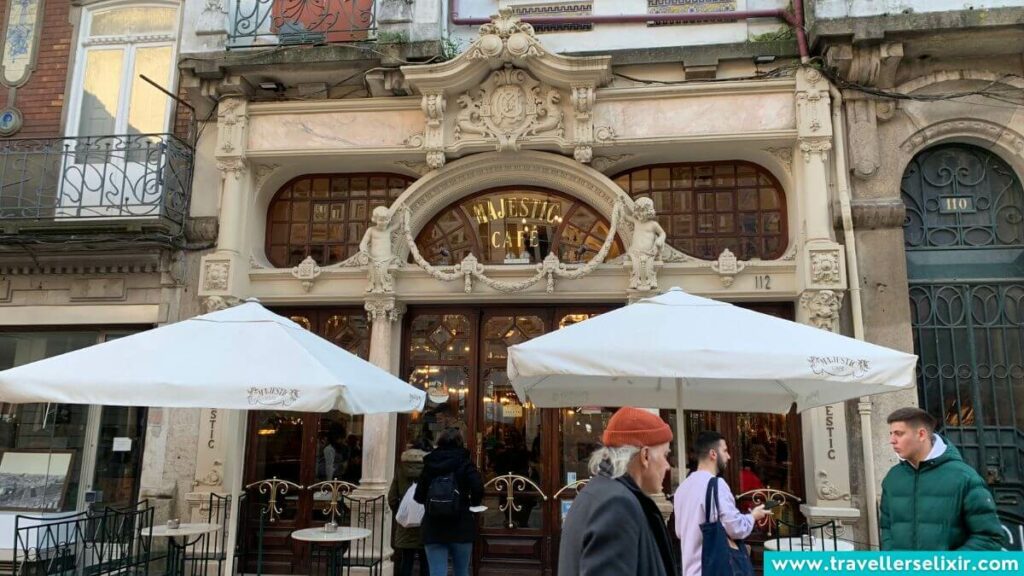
{"x": 932, "y": 499}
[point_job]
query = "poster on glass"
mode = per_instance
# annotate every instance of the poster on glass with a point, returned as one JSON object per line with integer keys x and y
{"x": 35, "y": 481}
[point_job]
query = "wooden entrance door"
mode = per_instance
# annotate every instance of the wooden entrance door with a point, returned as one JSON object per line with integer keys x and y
{"x": 302, "y": 448}
{"x": 528, "y": 455}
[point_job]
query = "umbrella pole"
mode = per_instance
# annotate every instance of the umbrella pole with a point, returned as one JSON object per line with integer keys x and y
{"x": 680, "y": 431}
{"x": 238, "y": 431}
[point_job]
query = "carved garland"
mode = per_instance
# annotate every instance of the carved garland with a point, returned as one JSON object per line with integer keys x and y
{"x": 471, "y": 268}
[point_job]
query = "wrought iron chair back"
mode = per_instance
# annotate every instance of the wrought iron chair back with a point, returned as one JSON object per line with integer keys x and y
{"x": 262, "y": 503}
{"x": 92, "y": 543}
{"x": 787, "y": 504}
{"x": 512, "y": 486}
{"x": 371, "y": 514}
{"x": 331, "y": 491}
{"x": 209, "y": 550}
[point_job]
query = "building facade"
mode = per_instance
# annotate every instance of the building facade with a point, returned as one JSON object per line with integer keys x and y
{"x": 427, "y": 183}
{"x": 95, "y": 178}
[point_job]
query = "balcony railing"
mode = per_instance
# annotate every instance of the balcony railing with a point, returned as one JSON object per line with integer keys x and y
{"x": 255, "y": 23}
{"x": 143, "y": 176}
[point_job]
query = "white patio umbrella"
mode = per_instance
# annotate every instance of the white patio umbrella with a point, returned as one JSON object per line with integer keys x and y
{"x": 681, "y": 351}
{"x": 241, "y": 358}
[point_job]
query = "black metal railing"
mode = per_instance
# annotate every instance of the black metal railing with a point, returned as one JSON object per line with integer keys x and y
{"x": 91, "y": 543}
{"x": 256, "y": 23}
{"x": 95, "y": 177}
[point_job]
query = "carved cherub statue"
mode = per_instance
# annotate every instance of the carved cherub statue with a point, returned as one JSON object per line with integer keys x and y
{"x": 376, "y": 246}
{"x": 645, "y": 249}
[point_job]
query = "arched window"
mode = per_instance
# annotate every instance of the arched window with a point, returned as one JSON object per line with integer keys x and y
{"x": 706, "y": 207}
{"x": 515, "y": 225}
{"x": 325, "y": 215}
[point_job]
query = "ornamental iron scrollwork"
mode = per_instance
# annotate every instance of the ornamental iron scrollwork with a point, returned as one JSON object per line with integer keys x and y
{"x": 761, "y": 496}
{"x": 273, "y": 487}
{"x": 108, "y": 177}
{"x": 960, "y": 196}
{"x": 511, "y": 484}
{"x": 574, "y": 486}
{"x": 289, "y": 22}
{"x": 336, "y": 490}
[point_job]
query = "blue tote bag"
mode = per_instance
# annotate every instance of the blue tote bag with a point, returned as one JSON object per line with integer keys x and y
{"x": 717, "y": 558}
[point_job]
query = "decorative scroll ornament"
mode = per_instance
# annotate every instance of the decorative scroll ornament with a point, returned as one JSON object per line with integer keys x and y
{"x": 505, "y": 37}
{"x": 470, "y": 268}
{"x": 510, "y": 105}
{"x": 307, "y": 272}
{"x": 213, "y": 476}
{"x": 511, "y": 484}
{"x": 218, "y": 303}
{"x": 727, "y": 266}
{"x": 335, "y": 490}
{"x": 273, "y": 488}
{"x": 827, "y": 490}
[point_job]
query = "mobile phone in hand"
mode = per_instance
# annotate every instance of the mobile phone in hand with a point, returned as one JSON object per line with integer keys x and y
{"x": 772, "y": 504}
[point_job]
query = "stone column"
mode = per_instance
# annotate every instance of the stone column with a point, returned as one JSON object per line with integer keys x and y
{"x": 225, "y": 271}
{"x": 825, "y": 449}
{"x": 379, "y": 429}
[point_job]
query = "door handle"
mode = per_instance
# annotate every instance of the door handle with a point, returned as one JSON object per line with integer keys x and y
{"x": 479, "y": 449}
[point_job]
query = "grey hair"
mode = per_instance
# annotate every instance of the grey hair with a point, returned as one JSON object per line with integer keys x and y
{"x": 617, "y": 456}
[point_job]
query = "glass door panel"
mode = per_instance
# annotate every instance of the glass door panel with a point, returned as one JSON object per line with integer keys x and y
{"x": 277, "y": 453}
{"x": 119, "y": 454}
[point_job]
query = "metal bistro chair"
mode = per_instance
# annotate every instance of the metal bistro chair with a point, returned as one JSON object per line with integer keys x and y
{"x": 804, "y": 536}
{"x": 345, "y": 510}
{"x": 209, "y": 550}
{"x": 264, "y": 513}
{"x": 108, "y": 541}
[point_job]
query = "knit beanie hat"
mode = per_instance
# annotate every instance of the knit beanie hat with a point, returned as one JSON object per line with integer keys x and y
{"x": 636, "y": 427}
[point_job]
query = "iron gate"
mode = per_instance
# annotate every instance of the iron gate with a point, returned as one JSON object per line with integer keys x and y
{"x": 964, "y": 239}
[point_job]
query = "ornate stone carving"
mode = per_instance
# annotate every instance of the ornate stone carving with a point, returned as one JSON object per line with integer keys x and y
{"x": 217, "y": 303}
{"x": 727, "y": 267}
{"x": 814, "y": 147}
{"x": 827, "y": 490}
{"x": 877, "y": 214}
{"x": 306, "y": 272}
{"x": 825, "y": 267}
{"x": 507, "y": 38}
{"x": 972, "y": 127}
{"x": 646, "y": 246}
{"x": 377, "y": 252}
{"x": 254, "y": 263}
{"x": 602, "y": 163}
{"x": 381, "y": 309}
{"x": 823, "y": 307}
{"x": 232, "y": 166}
{"x": 212, "y": 19}
{"x": 784, "y": 154}
{"x": 231, "y": 122}
{"x": 421, "y": 168}
{"x": 216, "y": 275}
{"x": 262, "y": 172}
{"x": 508, "y": 107}
{"x": 213, "y": 477}
{"x": 433, "y": 105}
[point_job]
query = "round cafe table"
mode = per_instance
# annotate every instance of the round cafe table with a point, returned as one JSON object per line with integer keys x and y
{"x": 331, "y": 540}
{"x": 176, "y": 552}
{"x": 820, "y": 545}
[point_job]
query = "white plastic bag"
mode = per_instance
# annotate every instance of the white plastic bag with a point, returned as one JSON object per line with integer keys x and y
{"x": 410, "y": 512}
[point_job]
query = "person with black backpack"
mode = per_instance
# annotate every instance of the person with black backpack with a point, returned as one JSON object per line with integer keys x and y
{"x": 449, "y": 485}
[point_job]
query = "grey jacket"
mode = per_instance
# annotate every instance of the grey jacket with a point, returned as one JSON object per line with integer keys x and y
{"x": 614, "y": 529}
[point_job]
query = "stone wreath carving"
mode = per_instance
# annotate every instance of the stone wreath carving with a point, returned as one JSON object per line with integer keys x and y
{"x": 510, "y": 105}
{"x": 470, "y": 268}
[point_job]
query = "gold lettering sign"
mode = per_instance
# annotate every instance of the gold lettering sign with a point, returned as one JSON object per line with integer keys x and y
{"x": 515, "y": 207}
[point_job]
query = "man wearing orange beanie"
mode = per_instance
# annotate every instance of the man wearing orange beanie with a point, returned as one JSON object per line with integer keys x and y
{"x": 614, "y": 527}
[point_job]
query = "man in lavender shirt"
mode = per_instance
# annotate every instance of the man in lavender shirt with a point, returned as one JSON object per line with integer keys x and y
{"x": 712, "y": 458}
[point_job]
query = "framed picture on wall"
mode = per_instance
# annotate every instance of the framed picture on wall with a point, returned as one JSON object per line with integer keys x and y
{"x": 34, "y": 480}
